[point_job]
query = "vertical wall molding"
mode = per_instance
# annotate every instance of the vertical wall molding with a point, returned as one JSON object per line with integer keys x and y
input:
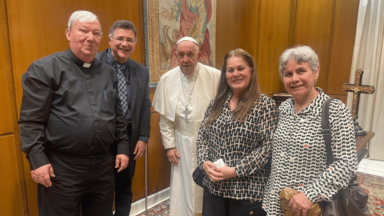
{"x": 12, "y": 102}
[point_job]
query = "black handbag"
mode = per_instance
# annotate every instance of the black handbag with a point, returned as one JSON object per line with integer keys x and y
{"x": 198, "y": 176}
{"x": 351, "y": 201}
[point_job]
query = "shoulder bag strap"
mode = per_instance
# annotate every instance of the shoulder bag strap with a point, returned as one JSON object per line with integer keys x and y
{"x": 326, "y": 130}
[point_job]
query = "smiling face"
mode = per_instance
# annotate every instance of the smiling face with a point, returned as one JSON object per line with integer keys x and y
{"x": 238, "y": 74}
{"x": 84, "y": 39}
{"x": 188, "y": 56}
{"x": 122, "y": 42}
{"x": 299, "y": 80}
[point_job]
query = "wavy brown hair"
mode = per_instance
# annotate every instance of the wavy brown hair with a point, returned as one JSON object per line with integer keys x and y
{"x": 246, "y": 100}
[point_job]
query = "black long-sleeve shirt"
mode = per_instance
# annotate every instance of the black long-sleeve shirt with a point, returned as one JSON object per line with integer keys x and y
{"x": 71, "y": 107}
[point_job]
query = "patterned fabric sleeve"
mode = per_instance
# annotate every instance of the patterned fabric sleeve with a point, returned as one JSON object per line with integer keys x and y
{"x": 201, "y": 144}
{"x": 341, "y": 171}
{"x": 266, "y": 122}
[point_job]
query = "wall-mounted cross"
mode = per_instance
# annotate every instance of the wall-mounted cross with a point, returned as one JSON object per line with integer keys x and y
{"x": 357, "y": 89}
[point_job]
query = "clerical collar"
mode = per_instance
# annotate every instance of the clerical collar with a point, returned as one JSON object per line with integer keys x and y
{"x": 77, "y": 61}
{"x": 112, "y": 61}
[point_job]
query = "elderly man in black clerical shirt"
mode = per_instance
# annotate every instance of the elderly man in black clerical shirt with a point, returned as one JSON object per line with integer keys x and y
{"x": 70, "y": 116}
{"x": 133, "y": 89}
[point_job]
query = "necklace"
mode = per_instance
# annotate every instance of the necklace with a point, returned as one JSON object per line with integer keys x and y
{"x": 232, "y": 101}
{"x": 186, "y": 112}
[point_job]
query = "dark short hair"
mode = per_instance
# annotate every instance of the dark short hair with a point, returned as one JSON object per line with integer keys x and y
{"x": 122, "y": 24}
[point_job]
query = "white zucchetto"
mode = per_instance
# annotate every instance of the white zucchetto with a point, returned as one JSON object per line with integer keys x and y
{"x": 187, "y": 39}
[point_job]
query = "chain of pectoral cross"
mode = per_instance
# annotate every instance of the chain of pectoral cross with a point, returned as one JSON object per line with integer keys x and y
{"x": 186, "y": 112}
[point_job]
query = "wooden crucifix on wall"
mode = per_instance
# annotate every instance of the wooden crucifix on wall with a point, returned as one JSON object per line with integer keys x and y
{"x": 357, "y": 89}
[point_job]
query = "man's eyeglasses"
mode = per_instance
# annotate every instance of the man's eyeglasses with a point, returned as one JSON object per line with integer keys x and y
{"x": 189, "y": 55}
{"x": 121, "y": 40}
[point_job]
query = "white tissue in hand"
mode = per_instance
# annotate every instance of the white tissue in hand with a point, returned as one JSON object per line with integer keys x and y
{"x": 219, "y": 163}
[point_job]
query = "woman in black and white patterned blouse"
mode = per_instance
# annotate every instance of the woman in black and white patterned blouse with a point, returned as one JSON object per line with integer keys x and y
{"x": 299, "y": 155}
{"x": 238, "y": 128}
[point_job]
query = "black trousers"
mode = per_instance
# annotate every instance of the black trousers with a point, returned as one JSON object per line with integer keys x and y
{"x": 219, "y": 206}
{"x": 123, "y": 189}
{"x": 80, "y": 181}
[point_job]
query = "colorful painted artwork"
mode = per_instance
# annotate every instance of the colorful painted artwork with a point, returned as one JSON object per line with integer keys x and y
{"x": 170, "y": 20}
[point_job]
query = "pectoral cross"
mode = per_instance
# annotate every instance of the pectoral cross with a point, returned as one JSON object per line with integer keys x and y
{"x": 357, "y": 89}
{"x": 186, "y": 112}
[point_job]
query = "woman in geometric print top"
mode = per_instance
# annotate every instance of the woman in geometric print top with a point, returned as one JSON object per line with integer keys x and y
{"x": 238, "y": 128}
{"x": 299, "y": 154}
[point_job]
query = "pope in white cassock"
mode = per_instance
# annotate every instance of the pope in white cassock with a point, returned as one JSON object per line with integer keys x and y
{"x": 182, "y": 96}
